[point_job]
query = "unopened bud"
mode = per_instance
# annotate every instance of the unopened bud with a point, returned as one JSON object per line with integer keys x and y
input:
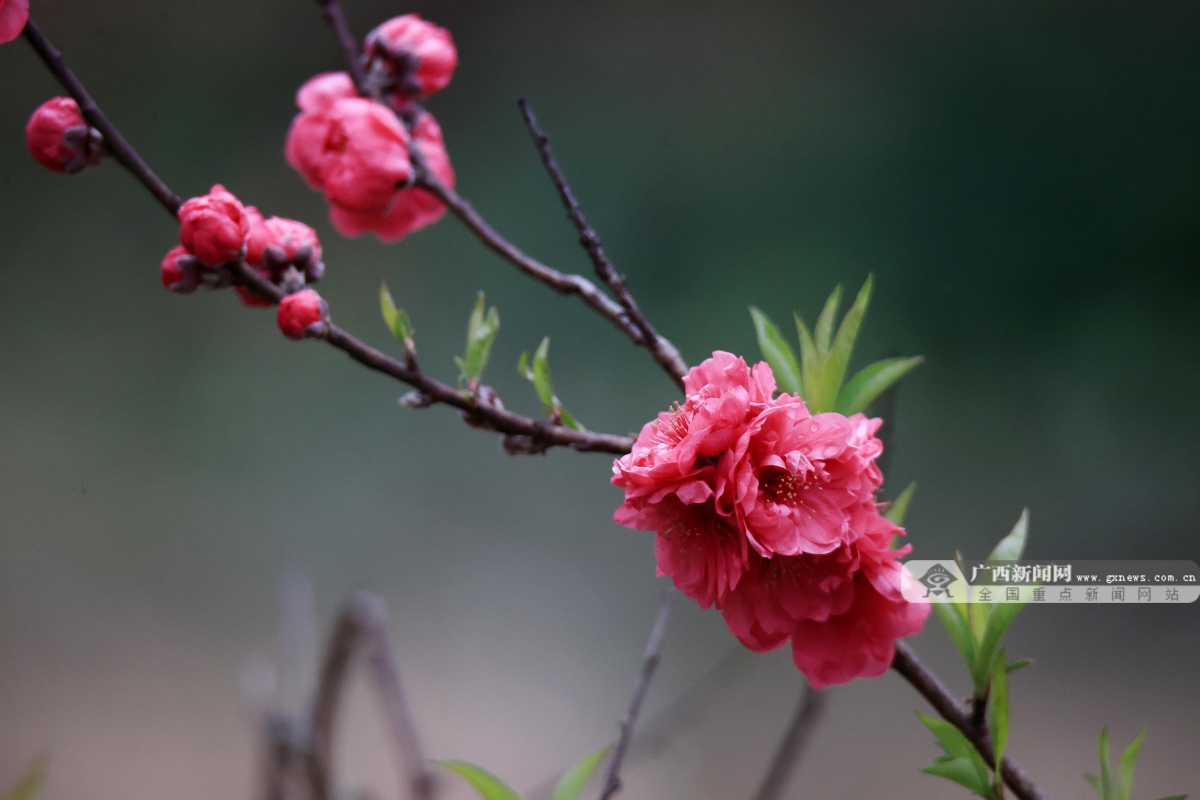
{"x": 60, "y": 139}
{"x": 214, "y": 227}
{"x": 303, "y": 315}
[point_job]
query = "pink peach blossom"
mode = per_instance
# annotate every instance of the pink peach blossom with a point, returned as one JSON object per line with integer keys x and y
{"x": 214, "y": 227}
{"x": 60, "y": 139}
{"x": 277, "y": 242}
{"x": 303, "y": 314}
{"x": 13, "y": 16}
{"x": 417, "y": 58}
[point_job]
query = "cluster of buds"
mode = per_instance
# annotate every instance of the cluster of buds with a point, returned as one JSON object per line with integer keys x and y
{"x": 215, "y": 229}
{"x": 365, "y": 156}
{"x": 60, "y": 139}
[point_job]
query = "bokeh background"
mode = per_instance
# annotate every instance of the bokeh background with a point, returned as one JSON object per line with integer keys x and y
{"x": 1022, "y": 178}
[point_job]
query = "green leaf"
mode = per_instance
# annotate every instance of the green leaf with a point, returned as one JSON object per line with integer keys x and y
{"x": 899, "y": 507}
{"x": 843, "y": 345}
{"x": 31, "y": 782}
{"x": 1016, "y": 664}
{"x": 823, "y": 333}
{"x": 488, "y": 785}
{"x": 396, "y": 319}
{"x": 872, "y": 381}
{"x": 1126, "y": 764}
{"x": 812, "y": 365}
{"x": 481, "y": 333}
{"x": 1094, "y": 782}
{"x": 1106, "y": 784}
{"x": 537, "y": 372}
{"x": 1000, "y": 618}
{"x": 777, "y": 353}
{"x": 962, "y": 771}
{"x": 954, "y": 618}
{"x": 1012, "y": 547}
{"x": 1175, "y": 797}
{"x": 573, "y": 781}
{"x": 957, "y": 748}
{"x": 997, "y": 711}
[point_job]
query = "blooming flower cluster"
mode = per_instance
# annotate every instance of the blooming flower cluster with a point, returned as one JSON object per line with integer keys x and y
{"x": 768, "y": 512}
{"x": 60, "y": 139}
{"x": 216, "y": 228}
{"x": 363, "y": 155}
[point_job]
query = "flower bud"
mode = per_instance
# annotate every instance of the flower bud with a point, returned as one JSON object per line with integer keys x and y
{"x": 410, "y": 57}
{"x": 277, "y": 243}
{"x": 60, "y": 139}
{"x": 214, "y": 227}
{"x": 180, "y": 271}
{"x": 303, "y": 314}
{"x": 13, "y": 16}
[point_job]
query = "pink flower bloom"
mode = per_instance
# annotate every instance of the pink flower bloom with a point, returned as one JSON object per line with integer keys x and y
{"x": 214, "y": 227}
{"x": 276, "y": 243}
{"x": 303, "y": 314}
{"x": 412, "y": 208}
{"x": 795, "y": 476}
{"x": 415, "y": 58}
{"x": 13, "y": 16}
{"x": 320, "y": 91}
{"x": 60, "y": 139}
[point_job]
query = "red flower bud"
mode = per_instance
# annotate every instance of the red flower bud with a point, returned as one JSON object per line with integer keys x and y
{"x": 412, "y": 57}
{"x": 214, "y": 227}
{"x": 277, "y": 243}
{"x": 13, "y": 16}
{"x": 60, "y": 139}
{"x": 180, "y": 271}
{"x": 303, "y": 314}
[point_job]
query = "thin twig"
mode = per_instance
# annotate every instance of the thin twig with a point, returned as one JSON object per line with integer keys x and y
{"x": 791, "y": 746}
{"x": 335, "y": 18}
{"x": 120, "y": 149}
{"x": 612, "y": 776}
{"x": 909, "y": 666}
{"x": 663, "y": 351}
{"x": 361, "y": 630}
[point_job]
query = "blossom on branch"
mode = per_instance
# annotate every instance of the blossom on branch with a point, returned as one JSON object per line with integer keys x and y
{"x": 213, "y": 227}
{"x": 768, "y": 512}
{"x": 60, "y": 139}
{"x": 13, "y": 16}
{"x": 410, "y": 58}
{"x": 303, "y": 314}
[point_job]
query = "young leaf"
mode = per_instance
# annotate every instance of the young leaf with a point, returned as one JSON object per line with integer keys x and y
{"x": 823, "y": 333}
{"x": 31, "y": 782}
{"x": 1094, "y": 782}
{"x": 777, "y": 353}
{"x": 812, "y": 365}
{"x": 954, "y": 618}
{"x": 958, "y": 749}
{"x": 843, "y": 344}
{"x": 962, "y": 772}
{"x": 1016, "y": 664}
{"x": 573, "y": 781}
{"x": 899, "y": 507}
{"x": 481, "y": 333}
{"x": 488, "y": 785}
{"x": 1106, "y": 784}
{"x": 537, "y": 372}
{"x": 998, "y": 621}
{"x": 872, "y": 381}
{"x": 1174, "y": 797}
{"x": 1126, "y": 764}
{"x": 1012, "y": 546}
{"x": 396, "y": 319}
{"x": 997, "y": 712}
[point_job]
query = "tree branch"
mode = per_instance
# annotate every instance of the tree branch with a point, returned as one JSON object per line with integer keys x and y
{"x": 114, "y": 142}
{"x": 663, "y": 351}
{"x": 909, "y": 666}
{"x": 361, "y": 630}
{"x": 612, "y": 776}
{"x": 787, "y": 755}
{"x": 335, "y": 18}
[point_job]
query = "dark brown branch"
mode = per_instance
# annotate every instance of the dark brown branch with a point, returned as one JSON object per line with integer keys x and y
{"x": 909, "y": 666}
{"x": 791, "y": 746}
{"x": 663, "y": 351}
{"x": 114, "y": 142}
{"x": 331, "y": 11}
{"x": 361, "y": 631}
{"x": 612, "y": 776}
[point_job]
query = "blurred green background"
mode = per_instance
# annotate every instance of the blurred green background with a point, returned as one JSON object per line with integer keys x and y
{"x": 1023, "y": 179}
